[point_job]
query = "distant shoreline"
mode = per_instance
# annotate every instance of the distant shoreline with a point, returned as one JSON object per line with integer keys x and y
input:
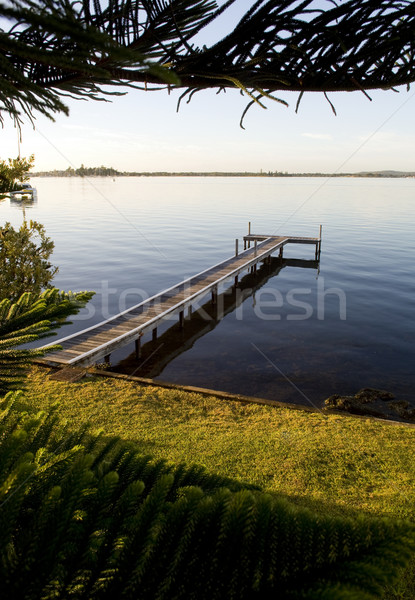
{"x": 109, "y": 172}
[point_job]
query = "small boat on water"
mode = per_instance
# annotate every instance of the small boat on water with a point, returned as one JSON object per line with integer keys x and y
{"x": 25, "y": 192}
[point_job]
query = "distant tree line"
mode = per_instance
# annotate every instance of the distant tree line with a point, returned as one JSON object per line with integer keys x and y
{"x": 111, "y": 172}
{"x": 81, "y": 172}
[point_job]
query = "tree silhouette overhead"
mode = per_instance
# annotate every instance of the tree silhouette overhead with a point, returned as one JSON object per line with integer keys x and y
{"x": 58, "y": 48}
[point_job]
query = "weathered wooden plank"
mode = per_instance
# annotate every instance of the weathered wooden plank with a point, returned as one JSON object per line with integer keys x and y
{"x": 60, "y": 356}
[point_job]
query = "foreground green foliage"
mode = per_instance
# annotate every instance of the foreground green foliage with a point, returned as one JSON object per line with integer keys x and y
{"x": 14, "y": 171}
{"x": 24, "y": 259}
{"x": 86, "y": 517}
{"x": 29, "y": 319}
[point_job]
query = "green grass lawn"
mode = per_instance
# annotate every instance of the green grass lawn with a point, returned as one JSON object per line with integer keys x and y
{"x": 329, "y": 462}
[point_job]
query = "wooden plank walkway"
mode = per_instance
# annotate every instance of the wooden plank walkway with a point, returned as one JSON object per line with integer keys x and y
{"x": 96, "y": 343}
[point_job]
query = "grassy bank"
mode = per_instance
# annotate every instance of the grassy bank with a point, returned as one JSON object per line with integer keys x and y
{"x": 333, "y": 462}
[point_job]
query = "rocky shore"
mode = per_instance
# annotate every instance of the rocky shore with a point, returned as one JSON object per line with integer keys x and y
{"x": 374, "y": 403}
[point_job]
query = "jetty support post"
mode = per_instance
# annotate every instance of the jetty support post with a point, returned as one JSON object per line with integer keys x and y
{"x": 138, "y": 347}
{"x": 236, "y": 247}
{"x": 214, "y": 294}
{"x": 181, "y": 319}
{"x": 281, "y": 252}
{"x": 249, "y": 228}
{"x": 318, "y": 244}
{"x": 107, "y": 358}
{"x": 154, "y": 334}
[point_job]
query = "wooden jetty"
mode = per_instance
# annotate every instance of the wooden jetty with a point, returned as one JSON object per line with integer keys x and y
{"x": 96, "y": 343}
{"x": 157, "y": 354}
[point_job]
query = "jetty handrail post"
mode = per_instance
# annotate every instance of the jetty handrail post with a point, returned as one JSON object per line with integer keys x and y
{"x": 318, "y": 243}
{"x": 236, "y": 247}
{"x": 249, "y": 227}
{"x": 255, "y": 248}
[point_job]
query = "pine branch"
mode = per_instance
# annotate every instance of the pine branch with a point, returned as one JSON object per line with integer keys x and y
{"x": 30, "y": 318}
{"x": 83, "y": 49}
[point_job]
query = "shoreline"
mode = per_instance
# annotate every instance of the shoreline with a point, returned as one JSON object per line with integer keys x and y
{"x": 74, "y": 374}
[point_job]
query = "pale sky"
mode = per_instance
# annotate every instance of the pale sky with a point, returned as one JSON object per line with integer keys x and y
{"x": 143, "y": 132}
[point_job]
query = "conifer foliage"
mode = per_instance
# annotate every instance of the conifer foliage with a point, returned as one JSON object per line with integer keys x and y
{"x": 51, "y": 49}
{"x": 86, "y": 517}
{"x": 28, "y": 319}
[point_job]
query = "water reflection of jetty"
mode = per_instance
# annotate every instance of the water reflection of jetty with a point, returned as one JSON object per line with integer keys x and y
{"x": 156, "y": 354}
{"x": 99, "y": 341}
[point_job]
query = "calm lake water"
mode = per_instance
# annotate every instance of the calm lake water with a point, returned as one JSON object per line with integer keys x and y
{"x": 302, "y": 332}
